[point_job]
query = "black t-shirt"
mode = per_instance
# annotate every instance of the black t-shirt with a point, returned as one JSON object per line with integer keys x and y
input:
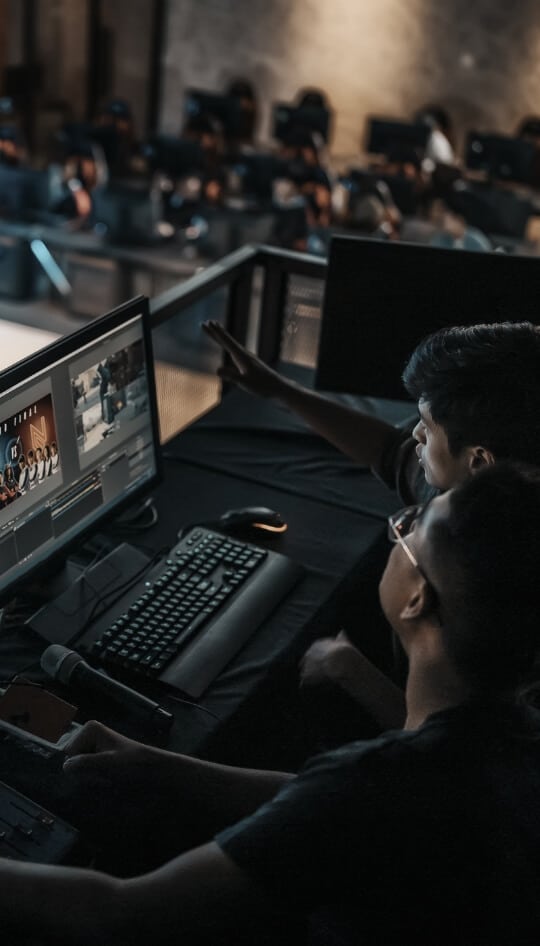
{"x": 429, "y": 837}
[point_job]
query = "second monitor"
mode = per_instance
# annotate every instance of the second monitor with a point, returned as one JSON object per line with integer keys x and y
{"x": 381, "y": 299}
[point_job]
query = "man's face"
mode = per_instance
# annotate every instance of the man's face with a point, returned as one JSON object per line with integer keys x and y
{"x": 401, "y": 580}
{"x": 441, "y": 468}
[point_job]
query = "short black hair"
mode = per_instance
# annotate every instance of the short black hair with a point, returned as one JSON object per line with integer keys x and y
{"x": 482, "y": 385}
{"x": 485, "y": 556}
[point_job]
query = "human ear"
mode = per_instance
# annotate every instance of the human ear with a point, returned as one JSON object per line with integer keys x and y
{"x": 420, "y": 601}
{"x": 480, "y": 457}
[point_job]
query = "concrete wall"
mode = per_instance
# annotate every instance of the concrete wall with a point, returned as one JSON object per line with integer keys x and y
{"x": 11, "y": 24}
{"x": 62, "y": 36}
{"x": 479, "y": 58}
{"x": 62, "y": 48}
{"x": 131, "y": 25}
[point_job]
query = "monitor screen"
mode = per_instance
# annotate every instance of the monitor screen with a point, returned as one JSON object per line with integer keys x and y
{"x": 78, "y": 439}
{"x": 227, "y": 109}
{"x": 254, "y": 174}
{"x": 382, "y": 298}
{"x": 287, "y": 118}
{"x": 500, "y": 156}
{"x": 126, "y": 211}
{"x": 21, "y": 191}
{"x": 174, "y": 156}
{"x": 385, "y": 136}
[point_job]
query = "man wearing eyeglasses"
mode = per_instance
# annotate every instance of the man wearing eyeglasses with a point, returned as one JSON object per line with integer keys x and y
{"x": 478, "y": 394}
{"x": 426, "y": 836}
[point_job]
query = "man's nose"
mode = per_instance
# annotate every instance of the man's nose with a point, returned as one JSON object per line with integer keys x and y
{"x": 419, "y": 432}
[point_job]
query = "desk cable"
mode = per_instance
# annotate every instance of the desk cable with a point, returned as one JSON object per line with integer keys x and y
{"x": 130, "y": 523}
{"x": 118, "y": 593}
{"x": 101, "y": 600}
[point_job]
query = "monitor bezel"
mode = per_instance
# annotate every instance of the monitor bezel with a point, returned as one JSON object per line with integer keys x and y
{"x": 58, "y": 350}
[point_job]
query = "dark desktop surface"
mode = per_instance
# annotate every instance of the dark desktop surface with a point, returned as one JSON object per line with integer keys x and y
{"x": 245, "y": 452}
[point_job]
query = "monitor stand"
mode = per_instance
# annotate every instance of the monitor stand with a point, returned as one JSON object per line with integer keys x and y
{"x": 76, "y": 593}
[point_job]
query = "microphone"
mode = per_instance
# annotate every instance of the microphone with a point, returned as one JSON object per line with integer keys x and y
{"x": 68, "y": 667}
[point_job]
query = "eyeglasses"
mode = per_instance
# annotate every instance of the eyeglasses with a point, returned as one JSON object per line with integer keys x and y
{"x": 400, "y": 524}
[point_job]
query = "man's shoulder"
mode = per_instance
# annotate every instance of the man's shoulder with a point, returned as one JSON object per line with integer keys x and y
{"x": 386, "y": 751}
{"x": 448, "y": 731}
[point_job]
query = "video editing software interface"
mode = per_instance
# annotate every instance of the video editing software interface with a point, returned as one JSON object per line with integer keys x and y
{"x": 76, "y": 438}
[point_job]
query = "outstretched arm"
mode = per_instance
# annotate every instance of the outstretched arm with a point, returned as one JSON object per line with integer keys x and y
{"x": 201, "y": 895}
{"x": 356, "y": 434}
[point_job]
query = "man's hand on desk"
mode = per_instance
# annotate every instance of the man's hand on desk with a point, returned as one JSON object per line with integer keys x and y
{"x": 145, "y": 797}
{"x": 162, "y": 786}
{"x": 97, "y": 750}
{"x": 328, "y": 660}
{"x": 335, "y": 660}
{"x": 246, "y": 370}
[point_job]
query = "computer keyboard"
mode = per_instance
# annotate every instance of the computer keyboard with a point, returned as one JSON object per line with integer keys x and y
{"x": 195, "y": 610}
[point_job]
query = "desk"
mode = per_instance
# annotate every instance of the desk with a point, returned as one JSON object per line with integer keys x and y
{"x": 249, "y": 452}
{"x": 19, "y": 341}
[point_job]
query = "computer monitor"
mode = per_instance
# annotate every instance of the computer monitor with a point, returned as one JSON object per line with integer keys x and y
{"x": 385, "y": 136}
{"x": 287, "y": 118}
{"x": 382, "y": 298}
{"x": 501, "y": 157}
{"x": 78, "y": 440}
{"x": 227, "y": 109}
{"x": 496, "y": 211}
{"x": 111, "y": 143}
{"x": 22, "y": 190}
{"x": 254, "y": 174}
{"x": 402, "y": 189}
{"x": 176, "y": 157}
{"x": 127, "y": 211}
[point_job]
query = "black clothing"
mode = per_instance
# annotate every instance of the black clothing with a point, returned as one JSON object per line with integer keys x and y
{"x": 425, "y": 837}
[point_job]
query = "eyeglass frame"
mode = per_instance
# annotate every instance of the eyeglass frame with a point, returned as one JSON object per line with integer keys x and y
{"x": 395, "y": 536}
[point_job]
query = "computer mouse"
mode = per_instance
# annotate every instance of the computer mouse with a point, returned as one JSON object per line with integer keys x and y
{"x": 252, "y": 517}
